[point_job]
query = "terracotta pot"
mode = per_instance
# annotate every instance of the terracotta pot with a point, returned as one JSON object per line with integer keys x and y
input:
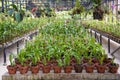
{"x": 89, "y": 68}
{"x": 35, "y": 69}
{"x": 46, "y": 69}
{"x": 101, "y": 68}
{"x": 12, "y": 69}
{"x": 113, "y": 68}
{"x": 68, "y": 69}
{"x": 78, "y": 68}
{"x": 40, "y": 64}
{"x": 57, "y": 69}
{"x": 23, "y": 69}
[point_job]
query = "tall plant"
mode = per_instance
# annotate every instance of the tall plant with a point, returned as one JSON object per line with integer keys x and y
{"x": 78, "y": 9}
{"x": 97, "y": 10}
{"x": 11, "y": 57}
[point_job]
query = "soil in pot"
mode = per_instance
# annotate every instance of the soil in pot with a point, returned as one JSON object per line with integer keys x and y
{"x": 68, "y": 69}
{"x": 78, "y": 68}
{"x": 35, "y": 69}
{"x": 46, "y": 69}
{"x": 23, "y": 69}
{"x": 113, "y": 68}
{"x": 101, "y": 68}
{"x": 57, "y": 69}
{"x": 12, "y": 69}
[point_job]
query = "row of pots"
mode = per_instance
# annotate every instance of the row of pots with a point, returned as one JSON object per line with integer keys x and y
{"x": 89, "y": 67}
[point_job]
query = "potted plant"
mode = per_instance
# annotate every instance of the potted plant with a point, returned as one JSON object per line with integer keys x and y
{"x": 11, "y": 68}
{"x": 66, "y": 61}
{"x": 46, "y": 68}
{"x": 80, "y": 54}
{"x": 113, "y": 67}
{"x": 78, "y": 67}
{"x": 97, "y": 52}
{"x": 57, "y": 68}
{"x": 78, "y": 9}
{"x": 101, "y": 67}
{"x": 107, "y": 60}
{"x": 97, "y": 10}
{"x": 89, "y": 67}
{"x": 34, "y": 66}
{"x": 18, "y": 14}
{"x": 23, "y": 68}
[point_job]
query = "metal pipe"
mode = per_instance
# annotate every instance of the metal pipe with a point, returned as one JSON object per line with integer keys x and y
{"x": 108, "y": 45}
{"x": 3, "y": 6}
{"x": 115, "y": 50}
{"x": 4, "y": 53}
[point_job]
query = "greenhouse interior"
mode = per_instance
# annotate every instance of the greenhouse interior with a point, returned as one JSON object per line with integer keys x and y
{"x": 59, "y": 39}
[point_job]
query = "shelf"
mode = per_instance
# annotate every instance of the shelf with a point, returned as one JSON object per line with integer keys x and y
{"x": 62, "y": 76}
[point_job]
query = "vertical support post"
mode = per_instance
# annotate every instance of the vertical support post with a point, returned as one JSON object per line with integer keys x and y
{"x": 12, "y": 2}
{"x": 108, "y": 45}
{"x": 17, "y": 47}
{"x": 113, "y": 10}
{"x": 30, "y": 36}
{"x": 17, "y": 4}
{"x": 95, "y": 34}
{"x": 116, "y": 10}
{"x": 26, "y": 4}
{"x": 72, "y": 3}
{"x": 100, "y": 39}
{"x": 91, "y": 32}
{"x": 6, "y": 5}
{"x": 20, "y": 5}
{"x": 3, "y": 6}
{"x": 4, "y": 53}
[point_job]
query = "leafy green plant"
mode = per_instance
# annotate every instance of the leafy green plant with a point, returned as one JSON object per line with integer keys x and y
{"x": 66, "y": 60}
{"x": 10, "y": 29}
{"x": 34, "y": 60}
{"x": 21, "y": 57}
{"x": 61, "y": 40}
{"x": 44, "y": 61}
{"x": 11, "y": 57}
{"x": 103, "y": 26}
{"x": 102, "y": 59}
{"x": 78, "y": 9}
{"x": 60, "y": 62}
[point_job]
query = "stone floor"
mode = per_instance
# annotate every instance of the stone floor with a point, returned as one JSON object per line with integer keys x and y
{"x": 13, "y": 49}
